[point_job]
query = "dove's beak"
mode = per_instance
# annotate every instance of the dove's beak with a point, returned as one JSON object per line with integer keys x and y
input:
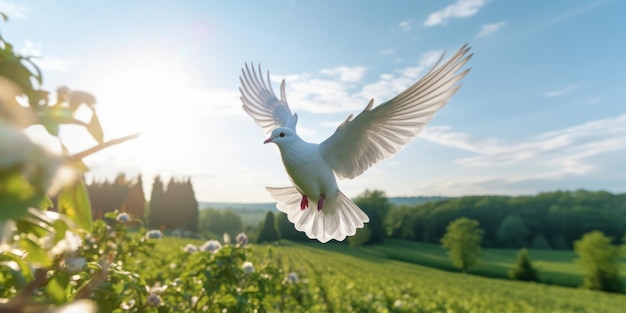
{"x": 268, "y": 140}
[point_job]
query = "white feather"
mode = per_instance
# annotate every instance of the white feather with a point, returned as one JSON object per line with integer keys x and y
{"x": 357, "y": 144}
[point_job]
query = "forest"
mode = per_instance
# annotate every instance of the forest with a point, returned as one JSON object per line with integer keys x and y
{"x": 549, "y": 220}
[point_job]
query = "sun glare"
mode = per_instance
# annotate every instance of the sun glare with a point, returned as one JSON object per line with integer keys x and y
{"x": 148, "y": 95}
{"x": 142, "y": 98}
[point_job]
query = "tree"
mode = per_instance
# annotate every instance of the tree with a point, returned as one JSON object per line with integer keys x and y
{"x": 376, "y": 205}
{"x": 268, "y": 231}
{"x": 219, "y": 222}
{"x": 512, "y": 232}
{"x": 191, "y": 207}
{"x": 600, "y": 258}
{"x": 287, "y": 231}
{"x": 361, "y": 237}
{"x": 136, "y": 200}
{"x": 539, "y": 242}
{"x": 462, "y": 239}
{"x": 523, "y": 270}
{"x": 156, "y": 203}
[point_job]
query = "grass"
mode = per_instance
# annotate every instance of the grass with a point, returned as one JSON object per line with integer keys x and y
{"x": 554, "y": 267}
{"x": 359, "y": 280}
{"x": 336, "y": 278}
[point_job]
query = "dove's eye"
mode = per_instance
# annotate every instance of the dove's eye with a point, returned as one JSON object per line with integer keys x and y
{"x": 282, "y": 134}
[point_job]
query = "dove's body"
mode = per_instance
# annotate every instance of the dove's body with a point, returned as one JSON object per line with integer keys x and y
{"x": 357, "y": 144}
{"x": 308, "y": 171}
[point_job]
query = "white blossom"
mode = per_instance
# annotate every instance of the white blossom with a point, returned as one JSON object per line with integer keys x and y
{"x": 211, "y": 246}
{"x": 189, "y": 248}
{"x": 397, "y": 304}
{"x": 154, "y": 234}
{"x": 248, "y": 267}
{"x": 123, "y": 217}
{"x": 73, "y": 265}
{"x": 226, "y": 238}
{"x": 293, "y": 278}
{"x": 70, "y": 243}
{"x": 38, "y": 166}
{"x": 154, "y": 300}
{"x": 242, "y": 239}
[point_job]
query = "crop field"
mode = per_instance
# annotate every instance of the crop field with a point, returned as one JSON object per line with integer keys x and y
{"x": 554, "y": 266}
{"x": 330, "y": 280}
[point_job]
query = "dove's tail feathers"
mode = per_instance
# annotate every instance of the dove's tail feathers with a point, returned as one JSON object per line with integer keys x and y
{"x": 339, "y": 218}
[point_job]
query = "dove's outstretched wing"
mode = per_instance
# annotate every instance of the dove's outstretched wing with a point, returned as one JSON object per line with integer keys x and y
{"x": 376, "y": 134}
{"x": 260, "y": 102}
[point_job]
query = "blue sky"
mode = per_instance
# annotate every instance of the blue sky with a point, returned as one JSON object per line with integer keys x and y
{"x": 542, "y": 108}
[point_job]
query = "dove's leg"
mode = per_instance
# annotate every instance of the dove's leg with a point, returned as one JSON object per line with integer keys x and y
{"x": 320, "y": 203}
{"x": 304, "y": 203}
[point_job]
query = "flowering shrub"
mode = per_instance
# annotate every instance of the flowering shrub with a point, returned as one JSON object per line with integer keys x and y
{"x": 64, "y": 261}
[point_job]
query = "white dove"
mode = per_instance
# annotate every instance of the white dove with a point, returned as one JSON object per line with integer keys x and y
{"x": 314, "y": 203}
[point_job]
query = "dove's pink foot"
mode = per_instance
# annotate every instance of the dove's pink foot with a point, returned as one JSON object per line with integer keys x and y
{"x": 304, "y": 203}
{"x": 320, "y": 203}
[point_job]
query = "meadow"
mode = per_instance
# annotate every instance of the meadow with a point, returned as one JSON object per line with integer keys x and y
{"x": 335, "y": 278}
{"x": 557, "y": 267}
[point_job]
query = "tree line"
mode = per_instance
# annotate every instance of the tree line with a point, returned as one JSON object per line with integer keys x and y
{"x": 120, "y": 194}
{"x": 171, "y": 206}
{"x": 551, "y": 220}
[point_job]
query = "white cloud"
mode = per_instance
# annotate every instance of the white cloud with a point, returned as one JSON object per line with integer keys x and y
{"x": 406, "y": 25}
{"x": 337, "y": 89}
{"x": 460, "y": 9}
{"x": 345, "y": 74}
{"x": 387, "y": 51}
{"x": 13, "y": 10}
{"x": 562, "y": 91}
{"x": 489, "y": 29}
{"x": 550, "y": 155}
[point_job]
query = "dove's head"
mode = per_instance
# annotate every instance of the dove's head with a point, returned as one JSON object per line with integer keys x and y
{"x": 281, "y": 136}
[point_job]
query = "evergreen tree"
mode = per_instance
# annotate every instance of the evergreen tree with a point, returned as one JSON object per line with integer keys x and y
{"x": 171, "y": 205}
{"x": 135, "y": 202}
{"x": 376, "y": 205}
{"x": 191, "y": 219}
{"x": 268, "y": 231}
{"x": 286, "y": 229}
{"x": 119, "y": 192}
{"x": 523, "y": 270}
{"x": 462, "y": 239}
{"x": 156, "y": 203}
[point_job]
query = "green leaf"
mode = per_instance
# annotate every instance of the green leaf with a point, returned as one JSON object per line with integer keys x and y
{"x": 95, "y": 129}
{"x": 46, "y": 203}
{"x": 16, "y": 194}
{"x": 34, "y": 252}
{"x": 74, "y": 202}
{"x": 57, "y": 287}
{"x": 51, "y": 126}
{"x": 60, "y": 228}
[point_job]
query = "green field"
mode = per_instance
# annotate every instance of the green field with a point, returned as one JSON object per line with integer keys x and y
{"x": 335, "y": 278}
{"x": 553, "y": 266}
